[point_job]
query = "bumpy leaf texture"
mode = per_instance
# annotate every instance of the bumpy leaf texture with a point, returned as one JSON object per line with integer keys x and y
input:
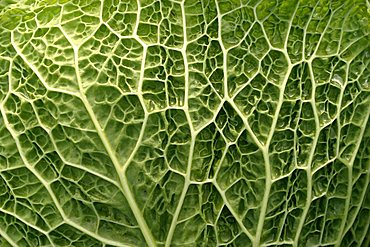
{"x": 184, "y": 123}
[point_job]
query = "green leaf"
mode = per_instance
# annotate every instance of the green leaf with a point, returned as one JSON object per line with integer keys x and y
{"x": 184, "y": 123}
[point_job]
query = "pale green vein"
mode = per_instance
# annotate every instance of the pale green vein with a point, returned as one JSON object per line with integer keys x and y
{"x": 7, "y": 238}
{"x": 44, "y": 183}
{"x": 124, "y": 183}
{"x": 192, "y": 131}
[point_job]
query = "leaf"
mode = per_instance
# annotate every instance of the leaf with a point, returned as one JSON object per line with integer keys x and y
{"x": 192, "y": 123}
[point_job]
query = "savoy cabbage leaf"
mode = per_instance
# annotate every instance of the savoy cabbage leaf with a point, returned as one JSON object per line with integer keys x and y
{"x": 184, "y": 123}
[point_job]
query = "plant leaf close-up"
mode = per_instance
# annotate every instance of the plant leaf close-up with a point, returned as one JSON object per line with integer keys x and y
{"x": 184, "y": 123}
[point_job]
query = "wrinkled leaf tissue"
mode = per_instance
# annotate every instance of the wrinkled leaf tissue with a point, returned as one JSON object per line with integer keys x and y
{"x": 184, "y": 123}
